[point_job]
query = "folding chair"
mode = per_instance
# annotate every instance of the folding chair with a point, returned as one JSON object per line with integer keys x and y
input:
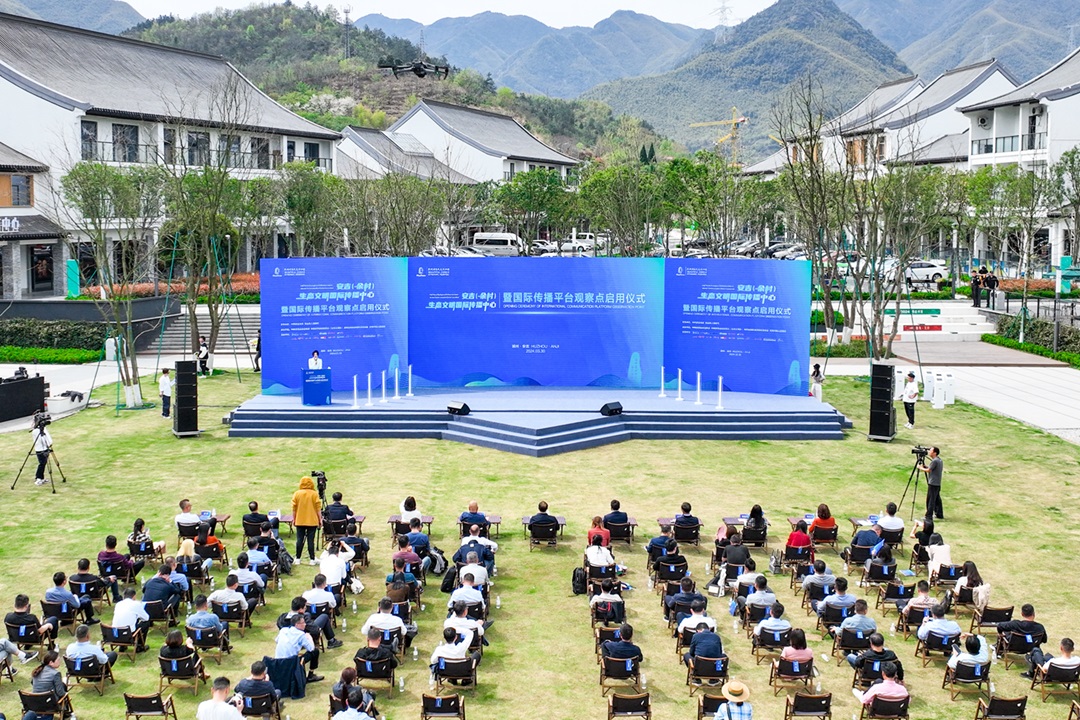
{"x": 214, "y": 552}
{"x": 6, "y": 670}
{"x": 824, "y": 536}
{"x": 756, "y": 537}
{"x": 849, "y": 642}
{"x": 653, "y": 554}
{"x": 946, "y": 576}
{"x": 934, "y": 643}
{"x": 402, "y": 610}
{"x": 752, "y": 615}
{"x": 140, "y": 706}
{"x": 66, "y": 613}
{"x": 909, "y": 621}
{"x": 433, "y": 707}
{"x": 252, "y": 529}
{"x": 270, "y": 570}
{"x": 1000, "y": 708}
{"x": 398, "y": 528}
{"x": 675, "y": 610}
{"x": 232, "y": 613}
{"x": 121, "y": 639}
{"x": 94, "y": 589}
{"x": 785, "y": 674}
{"x": 336, "y": 706}
{"x": 91, "y": 670}
{"x": 28, "y": 637}
{"x": 815, "y": 593}
{"x": 605, "y": 613}
{"x": 709, "y": 705}
{"x": 624, "y": 706}
{"x": 682, "y": 640}
{"x": 706, "y": 672}
{"x": 335, "y": 530}
{"x": 160, "y": 613}
{"x": 603, "y": 634}
{"x": 989, "y": 617}
{"x": 671, "y": 572}
{"x": 621, "y": 532}
{"x": 122, "y": 573}
{"x": 867, "y": 675}
{"x": 688, "y": 534}
{"x": 208, "y": 641}
{"x": 857, "y": 555}
{"x": 966, "y": 675}
{"x": 261, "y": 706}
{"x": 186, "y": 531}
{"x": 798, "y": 574}
{"x": 195, "y": 573}
{"x": 805, "y": 705}
{"x": 1011, "y": 644}
{"x": 893, "y": 538}
{"x": 187, "y": 672}
{"x": 253, "y": 594}
{"x": 889, "y": 593}
{"x": 878, "y": 575}
{"x": 465, "y": 528}
{"x": 1067, "y": 677}
{"x": 1074, "y": 710}
{"x": 882, "y": 708}
{"x": 833, "y": 616}
{"x": 145, "y": 550}
{"x": 459, "y": 673}
{"x": 375, "y": 674}
{"x": 769, "y": 643}
{"x": 795, "y": 556}
{"x": 541, "y": 534}
{"x": 624, "y": 671}
{"x": 46, "y": 704}
{"x": 919, "y": 559}
{"x": 963, "y": 598}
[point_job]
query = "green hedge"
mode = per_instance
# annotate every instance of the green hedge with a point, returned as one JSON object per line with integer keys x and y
{"x": 856, "y": 349}
{"x": 945, "y": 295}
{"x": 817, "y": 317}
{"x": 1040, "y": 333}
{"x": 1067, "y": 357}
{"x": 241, "y": 299}
{"x": 48, "y": 356}
{"x": 30, "y": 333}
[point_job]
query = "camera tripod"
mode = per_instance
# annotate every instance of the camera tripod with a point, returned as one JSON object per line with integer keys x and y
{"x": 913, "y": 476}
{"x": 50, "y": 461}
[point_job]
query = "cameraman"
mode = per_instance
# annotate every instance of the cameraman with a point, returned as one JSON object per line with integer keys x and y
{"x": 42, "y": 446}
{"x": 933, "y": 470}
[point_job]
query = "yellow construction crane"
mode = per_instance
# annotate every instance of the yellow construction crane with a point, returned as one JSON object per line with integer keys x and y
{"x": 734, "y": 124}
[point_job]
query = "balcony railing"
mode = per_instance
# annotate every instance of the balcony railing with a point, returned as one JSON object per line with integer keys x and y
{"x": 982, "y": 147}
{"x": 1007, "y": 144}
{"x": 1034, "y": 141}
{"x": 118, "y": 152}
{"x": 195, "y": 157}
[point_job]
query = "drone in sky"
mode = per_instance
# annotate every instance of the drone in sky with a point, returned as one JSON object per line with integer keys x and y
{"x": 419, "y": 68}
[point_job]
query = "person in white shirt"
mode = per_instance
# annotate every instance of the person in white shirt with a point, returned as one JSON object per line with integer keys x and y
{"x": 910, "y": 397}
{"x": 597, "y": 555}
{"x": 696, "y": 617}
{"x": 475, "y": 537}
{"x": 334, "y": 562}
{"x": 467, "y": 593}
{"x": 607, "y": 593}
{"x": 409, "y": 511}
{"x": 460, "y": 620}
{"x": 245, "y": 574}
{"x": 455, "y": 646}
{"x": 229, "y": 594}
{"x": 319, "y": 595}
{"x": 479, "y": 572}
{"x": 384, "y": 619}
{"x": 218, "y": 706}
{"x": 131, "y": 613}
{"x": 291, "y": 639}
{"x": 889, "y": 521}
{"x": 314, "y": 362}
{"x": 165, "y": 388}
{"x": 42, "y": 447}
{"x": 186, "y": 517}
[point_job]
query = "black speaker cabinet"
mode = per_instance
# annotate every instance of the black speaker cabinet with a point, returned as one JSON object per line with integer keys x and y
{"x": 611, "y": 408}
{"x": 882, "y": 411}
{"x": 185, "y": 411}
{"x": 457, "y": 408}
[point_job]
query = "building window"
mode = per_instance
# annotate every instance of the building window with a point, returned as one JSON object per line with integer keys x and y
{"x": 89, "y": 140}
{"x": 198, "y": 150}
{"x": 290, "y": 151}
{"x": 311, "y": 152}
{"x": 229, "y": 150}
{"x": 260, "y": 151}
{"x": 170, "y": 146}
{"x": 40, "y": 267}
{"x": 125, "y": 143}
{"x": 22, "y": 190}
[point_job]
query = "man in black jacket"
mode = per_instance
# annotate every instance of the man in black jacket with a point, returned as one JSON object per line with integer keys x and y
{"x": 375, "y": 651}
{"x": 159, "y": 588}
{"x": 258, "y": 684}
{"x": 622, "y": 648}
{"x": 876, "y": 654}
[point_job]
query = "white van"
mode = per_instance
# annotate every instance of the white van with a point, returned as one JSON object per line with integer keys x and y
{"x": 501, "y": 244}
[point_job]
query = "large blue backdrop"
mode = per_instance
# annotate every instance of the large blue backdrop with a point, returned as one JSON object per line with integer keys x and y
{"x": 531, "y": 321}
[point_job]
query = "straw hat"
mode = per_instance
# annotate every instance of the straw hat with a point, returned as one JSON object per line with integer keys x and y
{"x": 735, "y": 691}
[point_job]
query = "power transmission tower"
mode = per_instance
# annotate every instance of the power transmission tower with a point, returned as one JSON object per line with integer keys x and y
{"x": 348, "y": 27}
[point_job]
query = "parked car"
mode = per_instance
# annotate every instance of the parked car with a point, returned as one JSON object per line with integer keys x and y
{"x": 502, "y": 244}
{"x": 583, "y": 241}
{"x": 539, "y": 247}
{"x": 926, "y": 271}
{"x": 469, "y": 251}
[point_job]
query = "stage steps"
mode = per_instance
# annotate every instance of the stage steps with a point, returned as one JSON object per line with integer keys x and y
{"x": 577, "y": 431}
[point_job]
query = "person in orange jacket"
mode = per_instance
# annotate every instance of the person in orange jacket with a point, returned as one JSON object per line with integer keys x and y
{"x": 307, "y": 509}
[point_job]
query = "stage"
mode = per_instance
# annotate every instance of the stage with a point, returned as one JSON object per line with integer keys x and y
{"x": 541, "y": 421}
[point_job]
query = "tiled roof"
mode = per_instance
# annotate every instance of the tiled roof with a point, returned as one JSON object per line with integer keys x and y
{"x": 1060, "y": 81}
{"x": 12, "y": 160}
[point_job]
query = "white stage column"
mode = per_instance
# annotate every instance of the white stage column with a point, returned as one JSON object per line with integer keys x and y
{"x": 368, "y": 390}
{"x": 698, "y": 401}
{"x": 680, "y": 397}
{"x": 662, "y": 393}
{"x": 383, "y": 387}
{"x": 355, "y": 402}
{"x": 720, "y": 392}
{"x": 410, "y": 394}
{"x": 397, "y": 380}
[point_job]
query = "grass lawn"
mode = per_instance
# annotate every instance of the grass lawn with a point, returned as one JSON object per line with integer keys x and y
{"x": 1010, "y": 497}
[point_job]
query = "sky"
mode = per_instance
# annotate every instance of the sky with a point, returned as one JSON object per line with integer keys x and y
{"x": 557, "y": 13}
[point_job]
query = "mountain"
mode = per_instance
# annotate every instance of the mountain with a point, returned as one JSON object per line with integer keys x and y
{"x": 933, "y": 36}
{"x": 751, "y": 67}
{"x": 110, "y": 16}
{"x": 528, "y": 56}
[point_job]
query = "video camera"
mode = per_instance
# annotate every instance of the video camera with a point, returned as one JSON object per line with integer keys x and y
{"x": 920, "y": 450}
{"x": 41, "y": 420}
{"x": 320, "y": 482}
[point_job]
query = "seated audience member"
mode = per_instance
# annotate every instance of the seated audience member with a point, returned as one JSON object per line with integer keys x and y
{"x": 1043, "y": 660}
{"x": 158, "y": 588}
{"x": 889, "y": 687}
{"x": 474, "y": 537}
{"x": 736, "y": 553}
{"x": 254, "y": 517}
{"x": 409, "y": 511}
{"x": 83, "y": 648}
{"x": 697, "y": 615}
{"x": 824, "y": 519}
{"x": 22, "y": 617}
{"x": 384, "y": 619}
{"x": 320, "y": 595}
{"x": 131, "y": 613}
{"x": 1026, "y": 625}
{"x": 139, "y": 535}
{"x": 882, "y": 557}
{"x": 890, "y": 521}
{"x": 616, "y": 516}
{"x": 659, "y": 543}
{"x": 176, "y": 577}
{"x": 9, "y": 649}
{"x": 59, "y": 593}
{"x": 258, "y": 683}
{"x": 798, "y": 537}
{"x": 177, "y": 648}
{"x": 938, "y": 555}
{"x": 220, "y": 706}
{"x": 472, "y": 565}
{"x": 406, "y": 553}
{"x": 773, "y": 622}
{"x": 924, "y": 535}
{"x": 724, "y": 533}
{"x": 937, "y": 624}
{"x": 607, "y": 604}
{"x": 205, "y": 537}
{"x": 684, "y": 516}
{"x": 622, "y": 648}
{"x": 762, "y": 595}
{"x": 460, "y": 620}
{"x": 976, "y": 651}
{"x": 418, "y": 539}
{"x": 839, "y": 599}
{"x": 747, "y": 578}
{"x": 859, "y": 622}
{"x": 355, "y": 706}
{"x": 230, "y": 594}
{"x": 375, "y": 650}
{"x": 599, "y": 531}
{"x": 972, "y": 580}
{"x": 47, "y": 678}
{"x": 671, "y": 556}
{"x": 334, "y": 563}
{"x": 109, "y": 556}
{"x": 400, "y": 585}
{"x": 473, "y": 516}
{"x": 186, "y": 517}
{"x": 911, "y": 607}
{"x": 705, "y": 643}
{"x": 597, "y": 554}
{"x": 455, "y": 646}
{"x": 83, "y": 575}
{"x": 796, "y": 651}
{"x": 187, "y": 555}
{"x": 756, "y": 520}
{"x": 542, "y": 517}
{"x": 358, "y": 544}
{"x": 876, "y": 653}
{"x": 345, "y": 684}
{"x": 257, "y": 557}
{"x": 866, "y": 537}
{"x": 293, "y": 639}
{"x": 206, "y": 620}
{"x": 820, "y": 575}
{"x": 482, "y": 552}
{"x": 686, "y": 596}
{"x": 314, "y": 626}
{"x": 336, "y": 511}
{"x": 467, "y": 592}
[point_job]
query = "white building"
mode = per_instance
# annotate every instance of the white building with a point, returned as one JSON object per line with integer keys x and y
{"x": 376, "y": 153}
{"x": 479, "y": 144}
{"x": 70, "y": 95}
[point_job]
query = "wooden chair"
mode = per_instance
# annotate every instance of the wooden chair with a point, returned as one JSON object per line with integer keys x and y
{"x": 603, "y": 635}
{"x": 989, "y": 617}
{"x": 848, "y": 641}
{"x": 335, "y": 529}
{"x": 794, "y": 556}
{"x": 706, "y": 672}
{"x": 122, "y": 573}
{"x": 769, "y": 643}
{"x": 815, "y": 592}
{"x": 878, "y": 575}
{"x": 890, "y": 593}
{"x": 195, "y": 573}
{"x": 756, "y": 537}
{"x": 46, "y": 704}
{"x": 798, "y": 574}
{"x": 186, "y": 531}
{"x": 1011, "y": 644}
{"x": 1074, "y": 711}
{"x": 893, "y": 538}
{"x": 966, "y": 675}
{"x": 621, "y": 532}
{"x": 251, "y": 529}
{"x": 683, "y": 639}
{"x": 709, "y": 705}
{"x": 857, "y": 555}
{"x": 253, "y": 594}
{"x": 605, "y": 613}
{"x": 91, "y": 670}
{"x": 621, "y": 671}
{"x": 671, "y": 572}
{"x": 433, "y": 707}
{"x": 187, "y": 672}
{"x": 457, "y": 673}
{"x": 833, "y": 616}
{"x": 121, "y": 639}
{"x": 934, "y": 643}
{"x": 909, "y": 621}
{"x": 261, "y": 706}
{"x": 94, "y": 589}
{"x": 145, "y": 550}
{"x": 946, "y": 576}
{"x": 867, "y": 675}
{"x": 624, "y": 706}
{"x": 804, "y": 705}
{"x": 688, "y": 534}
{"x": 825, "y": 536}
{"x": 397, "y": 529}
{"x": 464, "y": 528}
{"x": 214, "y": 552}
{"x": 752, "y": 615}
{"x": 66, "y": 613}
{"x": 963, "y": 598}
{"x": 6, "y": 670}
{"x": 1000, "y": 708}
{"x": 208, "y": 641}
{"x": 29, "y": 637}
{"x": 1067, "y": 678}
{"x": 140, "y": 706}
{"x": 883, "y": 708}
{"x": 161, "y": 613}
{"x": 232, "y": 613}
{"x": 375, "y": 674}
{"x": 544, "y": 534}
{"x": 784, "y": 674}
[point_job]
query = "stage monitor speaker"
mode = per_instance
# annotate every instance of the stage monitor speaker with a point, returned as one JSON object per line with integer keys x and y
{"x": 457, "y": 408}
{"x": 611, "y": 408}
{"x": 882, "y": 410}
{"x": 185, "y": 410}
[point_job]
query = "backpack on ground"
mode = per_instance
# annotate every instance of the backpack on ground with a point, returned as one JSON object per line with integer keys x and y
{"x": 449, "y": 580}
{"x": 578, "y": 582}
{"x": 438, "y": 560}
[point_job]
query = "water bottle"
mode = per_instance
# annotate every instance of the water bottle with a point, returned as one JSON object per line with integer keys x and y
{"x": 213, "y": 513}
{"x": 650, "y": 583}
{"x": 498, "y": 601}
{"x": 431, "y": 682}
{"x": 644, "y": 682}
{"x": 279, "y": 583}
{"x": 423, "y": 607}
{"x": 817, "y": 687}
{"x": 354, "y": 606}
{"x": 344, "y": 624}
{"x": 415, "y": 654}
{"x": 401, "y": 684}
